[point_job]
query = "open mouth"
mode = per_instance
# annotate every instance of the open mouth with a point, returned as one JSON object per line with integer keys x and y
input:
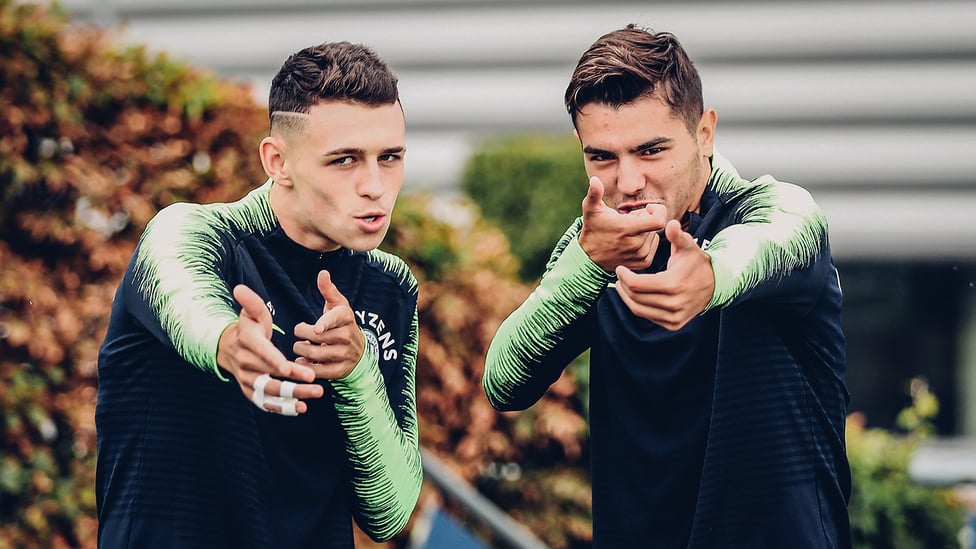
{"x": 371, "y": 222}
{"x": 630, "y": 208}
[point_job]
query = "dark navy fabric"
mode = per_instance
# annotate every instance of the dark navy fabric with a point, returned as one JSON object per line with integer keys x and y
{"x": 186, "y": 461}
{"x": 729, "y": 432}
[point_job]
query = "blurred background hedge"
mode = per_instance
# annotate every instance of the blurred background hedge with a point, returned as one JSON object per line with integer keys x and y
{"x": 531, "y": 186}
{"x": 94, "y": 139}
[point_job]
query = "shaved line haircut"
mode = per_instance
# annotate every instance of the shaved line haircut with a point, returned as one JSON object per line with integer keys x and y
{"x": 332, "y": 71}
{"x": 288, "y": 124}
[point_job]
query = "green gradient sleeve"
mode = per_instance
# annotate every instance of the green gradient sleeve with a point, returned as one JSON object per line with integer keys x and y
{"x": 538, "y": 340}
{"x": 384, "y": 455}
{"x": 177, "y": 270}
{"x": 781, "y": 229}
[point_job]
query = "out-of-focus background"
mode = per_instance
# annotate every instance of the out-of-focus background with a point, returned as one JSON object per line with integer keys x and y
{"x": 871, "y": 105}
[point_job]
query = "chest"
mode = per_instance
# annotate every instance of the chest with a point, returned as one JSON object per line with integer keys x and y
{"x": 290, "y": 289}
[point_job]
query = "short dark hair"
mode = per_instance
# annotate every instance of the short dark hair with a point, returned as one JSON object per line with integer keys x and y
{"x": 338, "y": 71}
{"x": 632, "y": 63}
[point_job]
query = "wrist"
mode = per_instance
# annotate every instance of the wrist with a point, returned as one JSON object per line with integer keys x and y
{"x": 360, "y": 370}
{"x": 222, "y": 365}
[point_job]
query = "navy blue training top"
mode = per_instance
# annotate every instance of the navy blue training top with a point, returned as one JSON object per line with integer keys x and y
{"x": 185, "y": 459}
{"x": 728, "y": 432}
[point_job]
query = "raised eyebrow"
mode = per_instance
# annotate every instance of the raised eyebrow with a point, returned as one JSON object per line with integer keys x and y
{"x": 653, "y": 143}
{"x": 593, "y": 150}
{"x": 345, "y": 151}
{"x": 353, "y": 151}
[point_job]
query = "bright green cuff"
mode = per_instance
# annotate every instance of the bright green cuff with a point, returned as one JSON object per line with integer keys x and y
{"x": 574, "y": 262}
{"x": 361, "y": 378}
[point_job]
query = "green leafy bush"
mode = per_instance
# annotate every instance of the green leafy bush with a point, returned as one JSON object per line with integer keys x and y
{"x": 531, "y": 186}
{"x": 93, "y": 140}
{"x": 888, "y": 509}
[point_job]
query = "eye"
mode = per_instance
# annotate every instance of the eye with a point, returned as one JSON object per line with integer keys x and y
{"x": 651, "y": 151}
{"x": 392, "y": 157}
{"x": 343, "y": 161}
{"x": 600, "y": 157}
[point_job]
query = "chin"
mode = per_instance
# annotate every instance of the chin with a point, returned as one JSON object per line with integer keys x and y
{"x": 364, "y": 244}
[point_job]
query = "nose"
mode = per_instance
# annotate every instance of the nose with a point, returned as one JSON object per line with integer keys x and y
{"x": 630, "y": 180}
{"x": 370, "y": 184}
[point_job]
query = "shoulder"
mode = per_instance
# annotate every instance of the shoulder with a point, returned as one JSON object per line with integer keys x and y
{"x": 250, "y": 214}
{"x": 392, "y": 267}
{"x": 766, "y": 199}
{"x": 763, "y": 192}
{"x": 186, "y": 218}
{"x": 178, "y": 213}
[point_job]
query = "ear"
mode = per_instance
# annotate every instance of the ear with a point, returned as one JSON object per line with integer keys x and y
{"x": 706, "y": 131}
{"x": 272, "y": 152}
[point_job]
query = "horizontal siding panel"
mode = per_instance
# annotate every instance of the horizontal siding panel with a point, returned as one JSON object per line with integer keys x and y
{"x": 911, "y": 225}
{"x": 877, "y": 158}
{"x": 478, "y": 33}
{"x": 910, "y": 90}
{"x": 848, "y": 158}
{"x": 871, "y": 105}
{"x": 798, "y": 93}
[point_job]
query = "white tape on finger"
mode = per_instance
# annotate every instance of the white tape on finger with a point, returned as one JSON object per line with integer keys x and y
{"x": 288, "y": 405}
{"x": 258, "y": 397}
{"x": 288, "y": 389}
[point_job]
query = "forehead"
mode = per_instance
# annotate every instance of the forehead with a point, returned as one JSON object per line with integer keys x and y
{"x": 630, "y": 124}
{"x": 345, "y": 124}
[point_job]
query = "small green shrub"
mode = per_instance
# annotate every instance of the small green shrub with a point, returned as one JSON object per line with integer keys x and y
{"x": 888, "y": 509}
{"x": 531, "y": 186}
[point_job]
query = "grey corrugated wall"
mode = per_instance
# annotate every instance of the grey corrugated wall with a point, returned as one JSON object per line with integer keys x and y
{"x": 869, "y": 104}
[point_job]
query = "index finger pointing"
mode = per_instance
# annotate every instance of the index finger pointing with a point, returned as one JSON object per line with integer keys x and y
{"x": 273, "y": 358}
{"x": 594, "y": 195}
{"x": 642, "y": 222}
{"x": 630, "y": 281}
{"x": 251, "y": 304}
{"x": 333, "y": 297}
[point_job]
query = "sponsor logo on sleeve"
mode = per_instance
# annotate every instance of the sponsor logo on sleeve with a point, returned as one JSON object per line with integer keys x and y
{"x": 378, "y": 335}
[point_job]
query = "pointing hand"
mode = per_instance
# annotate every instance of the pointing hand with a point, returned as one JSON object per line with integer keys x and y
{"x": 611, "y": 238}
{"x": 245, "y": 351}
{"x": 334, "y": 344}
{"x": 672, "y": 297}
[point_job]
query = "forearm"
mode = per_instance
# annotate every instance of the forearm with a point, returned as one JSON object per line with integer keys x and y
{"x": 538, "y": 340}
{"x": 384, "y": 455}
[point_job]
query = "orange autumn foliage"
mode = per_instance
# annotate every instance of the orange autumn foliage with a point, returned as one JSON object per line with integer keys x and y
{"x": 94, "y": 140}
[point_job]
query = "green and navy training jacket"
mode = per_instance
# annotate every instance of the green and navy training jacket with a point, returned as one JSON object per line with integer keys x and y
{"x": 185, "y": 459}
{"x": 728, "y": 432}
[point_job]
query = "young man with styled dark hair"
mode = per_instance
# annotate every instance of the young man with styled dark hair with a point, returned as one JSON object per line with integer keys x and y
{"x": 711, "y": 308}
{"x": 256, "y": 383}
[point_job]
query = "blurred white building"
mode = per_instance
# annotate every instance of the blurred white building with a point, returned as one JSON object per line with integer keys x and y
{"x": 869, "y": 104}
